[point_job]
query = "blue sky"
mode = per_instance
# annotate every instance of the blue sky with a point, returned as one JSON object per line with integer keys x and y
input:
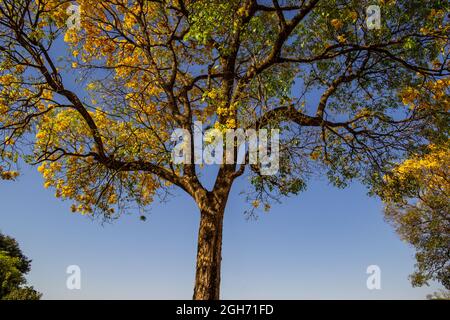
{"x": 313, "y": 246}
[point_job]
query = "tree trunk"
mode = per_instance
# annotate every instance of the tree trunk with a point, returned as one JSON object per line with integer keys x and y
{"x": 209, "y": 253}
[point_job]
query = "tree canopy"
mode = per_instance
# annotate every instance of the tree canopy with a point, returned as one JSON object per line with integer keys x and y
{"x": 417, "y": 191}
{"x": 156, "y": 65}
{"x": 13, "y": 266}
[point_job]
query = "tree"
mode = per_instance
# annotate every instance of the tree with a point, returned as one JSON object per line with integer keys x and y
{"x": 417, "y": 191}
{"x": 421, "y": 215}
{"x": 13, "y": 266}
{"x": 11, "y": 247}
{"x": 150, "y": 67}
{"x": 442, "y": 295}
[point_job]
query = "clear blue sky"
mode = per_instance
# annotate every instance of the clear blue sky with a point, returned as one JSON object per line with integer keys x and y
{"x": 316, "y": 245}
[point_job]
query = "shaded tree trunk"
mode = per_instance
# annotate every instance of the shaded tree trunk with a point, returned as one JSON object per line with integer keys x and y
{"x": 209, "y": 252}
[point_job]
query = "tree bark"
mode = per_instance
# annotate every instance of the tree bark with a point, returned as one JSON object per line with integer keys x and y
{"x": 209, "y": 252}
